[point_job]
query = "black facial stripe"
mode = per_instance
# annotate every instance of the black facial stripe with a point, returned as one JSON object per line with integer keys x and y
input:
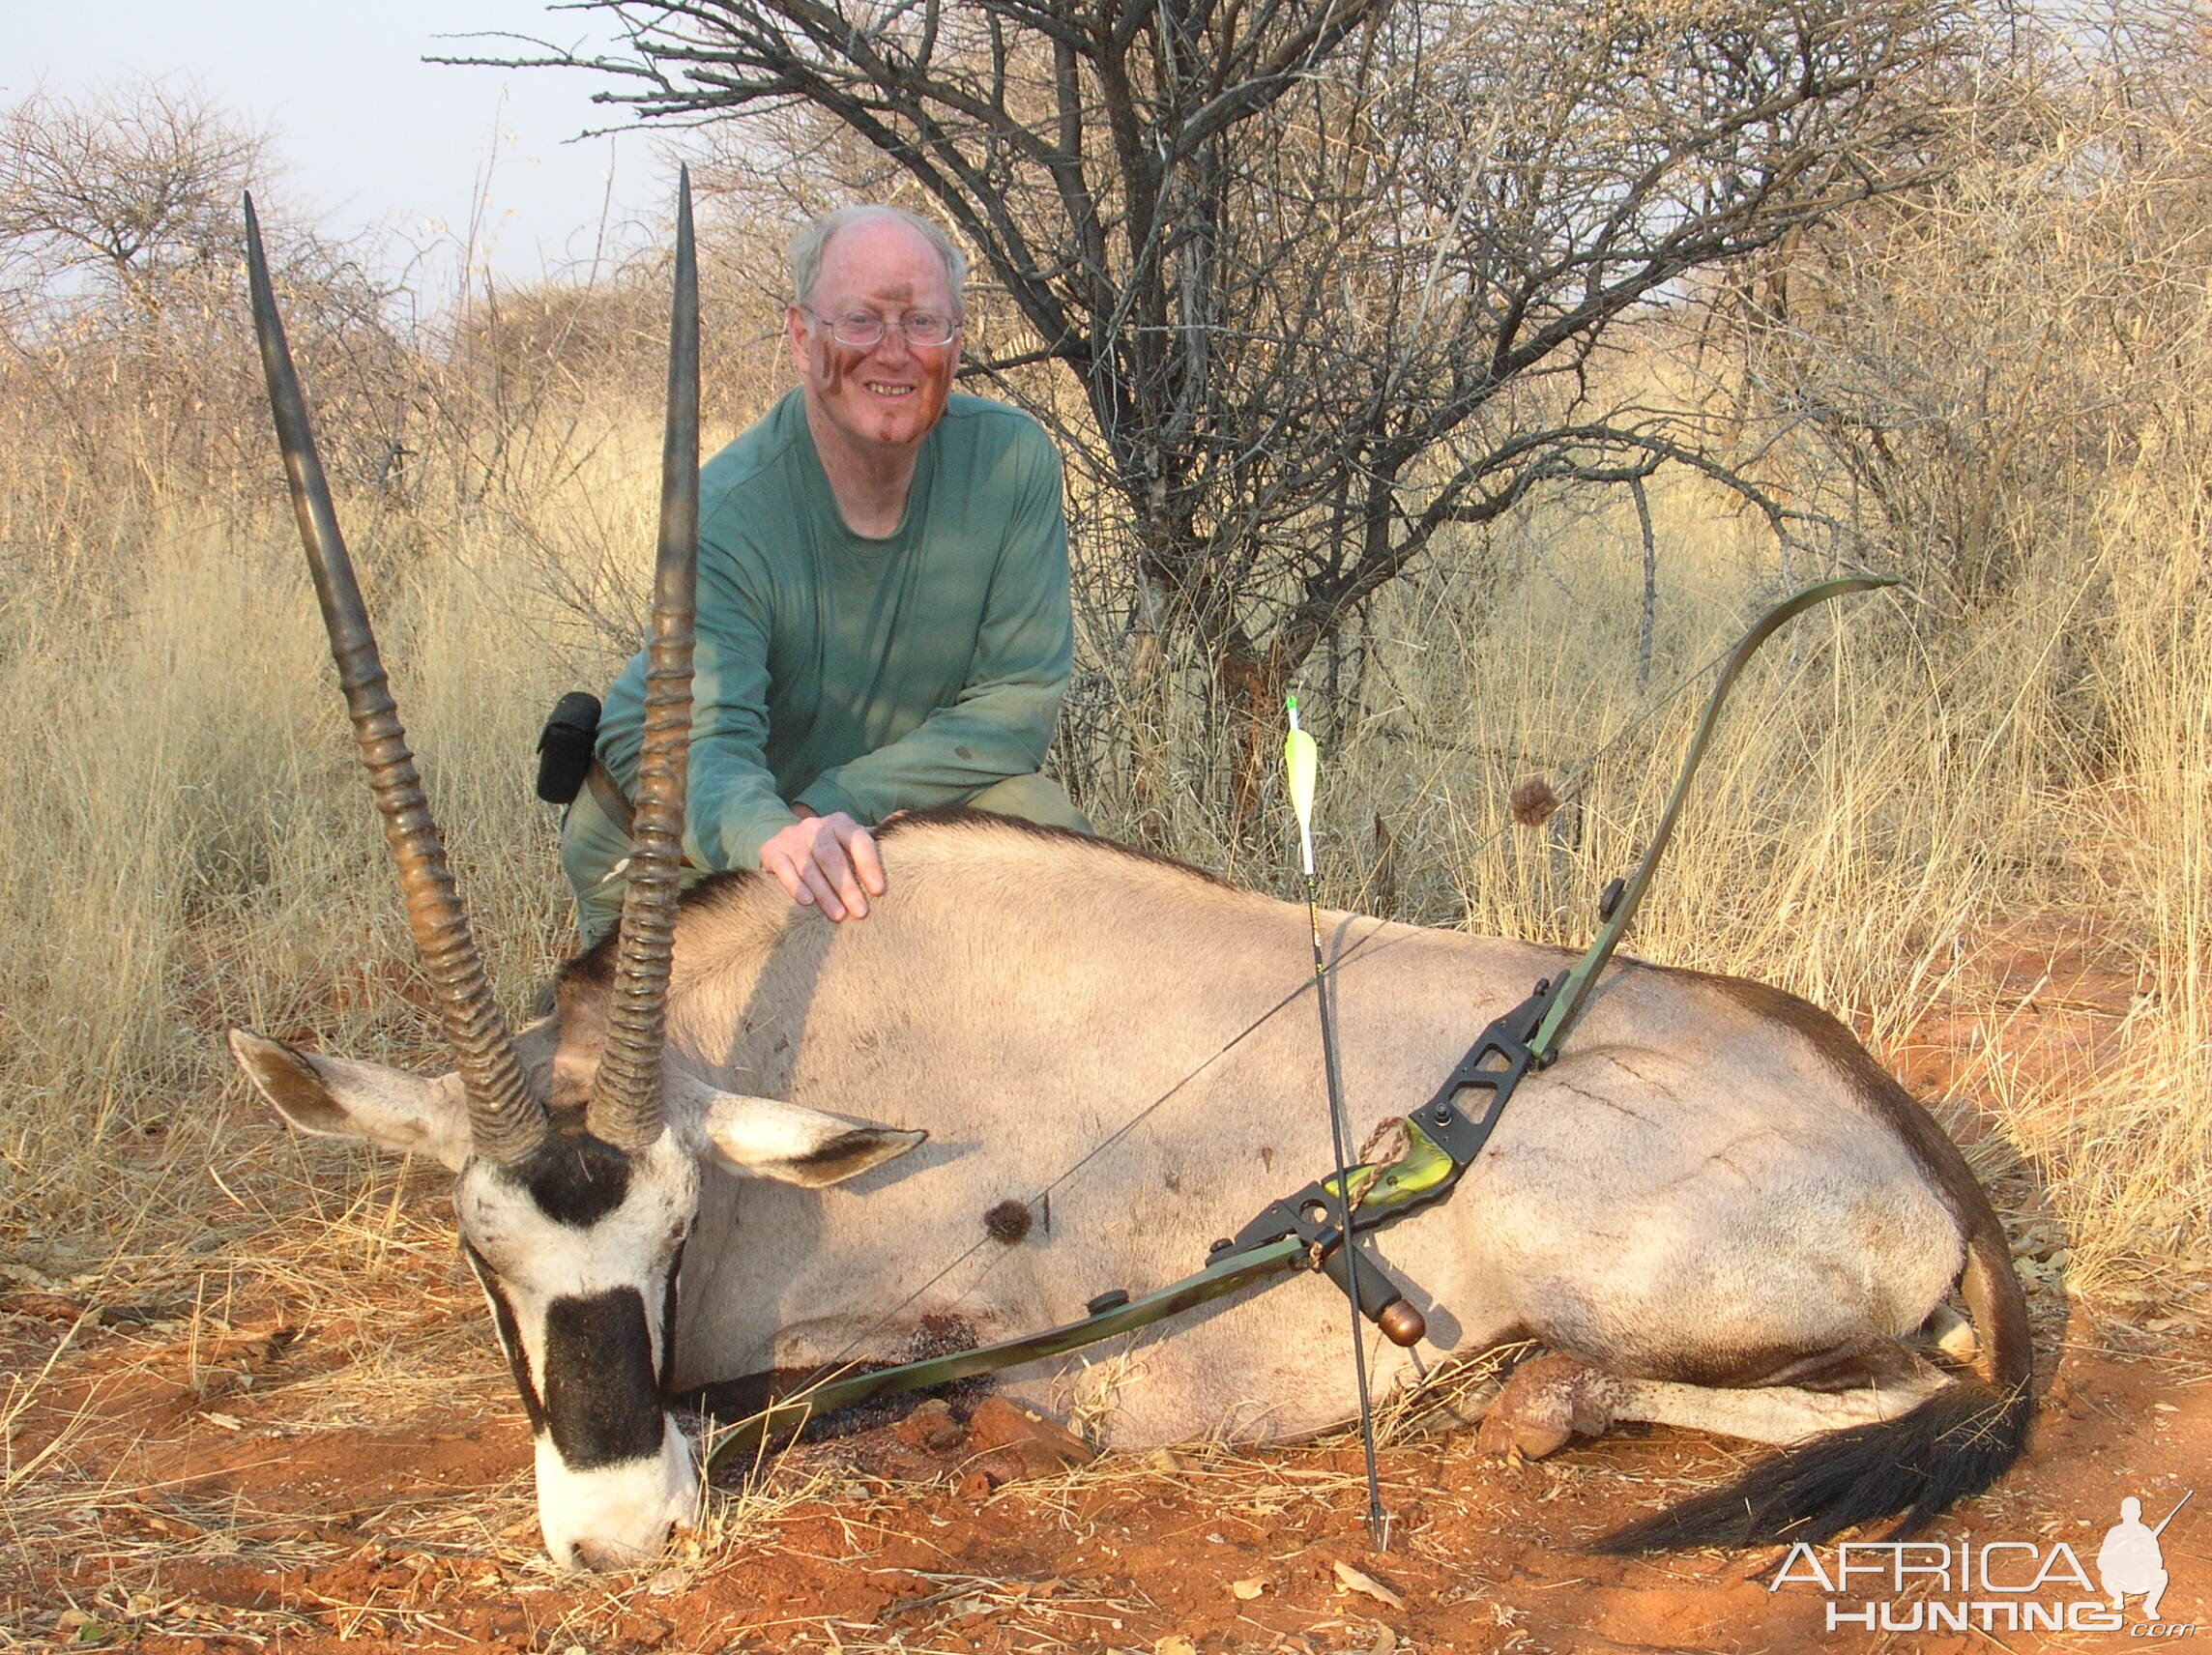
{"x": 575, "y": 1179}
{"x": 509, "y": 1338}
{"x": 668, "y": 1320}
{"x": 602, "y": 1399}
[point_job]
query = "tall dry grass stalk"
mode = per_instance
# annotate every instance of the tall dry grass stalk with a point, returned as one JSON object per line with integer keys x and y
{"x": 2131, "y": 1146}
{"x": 190, "y": 843}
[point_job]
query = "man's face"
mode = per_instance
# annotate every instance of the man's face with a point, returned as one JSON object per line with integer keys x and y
{"x": 888, "y": 395}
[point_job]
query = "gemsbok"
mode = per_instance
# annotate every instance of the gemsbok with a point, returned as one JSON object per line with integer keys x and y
{"x": 1715, "y": 1210}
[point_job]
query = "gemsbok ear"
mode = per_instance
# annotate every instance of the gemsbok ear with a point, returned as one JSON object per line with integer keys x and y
{"x": 767, "y": 1137}
{"x": 337, "y": 1097}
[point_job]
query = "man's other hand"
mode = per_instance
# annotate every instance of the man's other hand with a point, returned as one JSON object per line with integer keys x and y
{"x": 828, "y": 862}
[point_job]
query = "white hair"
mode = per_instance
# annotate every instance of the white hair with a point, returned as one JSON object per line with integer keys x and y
{"x": 806, "y": 247}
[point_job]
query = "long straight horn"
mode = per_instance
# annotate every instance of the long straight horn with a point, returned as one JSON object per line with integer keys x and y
{"x": 625, "y": 1093}
{"x": 505, "y": 1120}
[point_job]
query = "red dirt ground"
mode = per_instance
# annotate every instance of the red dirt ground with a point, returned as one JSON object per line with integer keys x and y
{"x": 259, "y": 1482}
{"x": 226, "y": 1530}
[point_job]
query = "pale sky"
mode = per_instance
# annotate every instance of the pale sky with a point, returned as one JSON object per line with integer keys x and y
{"x": 368, "y": 134}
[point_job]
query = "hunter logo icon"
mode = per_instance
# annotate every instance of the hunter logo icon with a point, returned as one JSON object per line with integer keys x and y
{"x": 1972, "y": 1585}
{"x": 2130, "y": 1561}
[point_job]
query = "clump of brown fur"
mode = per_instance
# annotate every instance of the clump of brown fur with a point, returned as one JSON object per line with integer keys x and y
{"x": 1533, "y": 802}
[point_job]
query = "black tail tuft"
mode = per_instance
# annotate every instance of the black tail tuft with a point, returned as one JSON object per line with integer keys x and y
{"x": 1949, "y": 1448}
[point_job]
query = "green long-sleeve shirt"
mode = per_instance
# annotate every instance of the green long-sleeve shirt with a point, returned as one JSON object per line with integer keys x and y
{"x": 853, "y": 674}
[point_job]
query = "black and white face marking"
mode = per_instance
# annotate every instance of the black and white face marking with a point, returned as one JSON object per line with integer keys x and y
{"x": 602, "y": 1387}
{"x": 571, "y": 1247}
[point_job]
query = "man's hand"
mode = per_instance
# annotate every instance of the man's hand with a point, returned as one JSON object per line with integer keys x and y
{"x": 828, "y": 862}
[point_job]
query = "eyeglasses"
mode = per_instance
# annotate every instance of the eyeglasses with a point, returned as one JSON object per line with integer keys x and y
{"x": 862, "y": 328}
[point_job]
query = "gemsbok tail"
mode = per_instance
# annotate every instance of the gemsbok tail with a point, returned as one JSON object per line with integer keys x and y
{"x": 1949, "y": 1448}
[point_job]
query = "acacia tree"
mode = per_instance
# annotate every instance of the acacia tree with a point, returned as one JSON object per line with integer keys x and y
{"x": 1330, "y": 273}
{"x": 128, "y": 188}
{"x": 126, "y": 354}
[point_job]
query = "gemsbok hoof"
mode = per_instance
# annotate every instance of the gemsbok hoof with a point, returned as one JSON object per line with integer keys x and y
{"x": 1545, "y": 1403}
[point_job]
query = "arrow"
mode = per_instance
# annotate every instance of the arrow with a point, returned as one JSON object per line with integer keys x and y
{"x": 1301, "y": 766}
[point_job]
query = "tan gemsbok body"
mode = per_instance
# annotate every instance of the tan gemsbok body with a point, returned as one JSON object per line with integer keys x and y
{"x": 1714, "y": 1208}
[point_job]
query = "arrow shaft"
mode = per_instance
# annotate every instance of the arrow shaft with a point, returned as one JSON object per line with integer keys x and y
{"x": 1340, "y": 1142}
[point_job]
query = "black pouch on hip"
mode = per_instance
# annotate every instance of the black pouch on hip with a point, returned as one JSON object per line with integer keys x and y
{"x": 565, "y": 746}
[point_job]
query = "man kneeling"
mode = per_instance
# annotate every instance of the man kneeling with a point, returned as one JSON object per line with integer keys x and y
{"x": 883, "y": 620}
